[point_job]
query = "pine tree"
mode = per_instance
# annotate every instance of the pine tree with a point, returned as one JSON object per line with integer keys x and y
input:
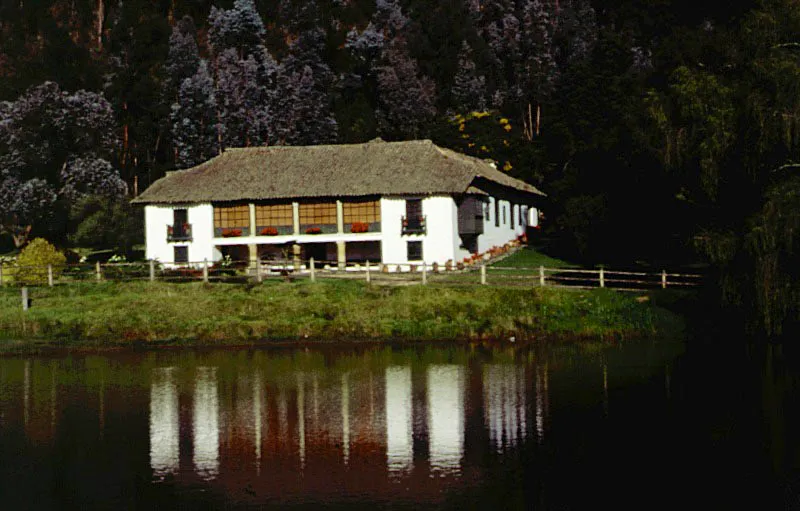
{"x": 308, "y": 119}
{"x": 469, "y": 89}
{"x": 536, "y": 68}
{"x": 406, "y": 99}
{"x": 245, "y": 75}
{"x": 194, "y": 124}
{"x": 183, "y": 58}
{"x": 240, "y": 28}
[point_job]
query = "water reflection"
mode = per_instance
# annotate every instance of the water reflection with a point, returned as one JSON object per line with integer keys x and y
{"x": 504, "y": 398}
{"x": 295, "y": 426}
{"x": 399, "y": 441}
{"x": 205, "y": 423}
{"x": 164, "y": 426}
{"x": 446, "y": 418}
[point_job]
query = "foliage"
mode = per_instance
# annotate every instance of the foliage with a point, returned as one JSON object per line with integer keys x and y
{"x": 55, "y": 147}
{"x": 31, "y": 267}
{"x": 99, "y": 222}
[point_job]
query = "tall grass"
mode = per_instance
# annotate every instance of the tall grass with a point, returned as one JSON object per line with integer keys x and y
{"x": 121, "y": 313}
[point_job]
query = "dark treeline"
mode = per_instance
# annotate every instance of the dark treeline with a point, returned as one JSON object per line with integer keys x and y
{"x": 663, "y": 131}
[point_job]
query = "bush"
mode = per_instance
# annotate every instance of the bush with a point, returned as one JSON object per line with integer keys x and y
{"x": 32, "y": 262}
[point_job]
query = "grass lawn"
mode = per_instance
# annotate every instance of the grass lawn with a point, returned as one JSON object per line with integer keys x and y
{"x": 113, "y": 314}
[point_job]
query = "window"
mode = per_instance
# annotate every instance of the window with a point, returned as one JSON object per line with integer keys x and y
{"x": 181, "y": 254}
{"x": 274, "y": 219}
{"x": 321, "y": 215}
{"x": 180, "y": 230}
{"x": 505, "y": 218}
{"x": 488, "y": 213}
{"x": 414, "y": 250}
{"x": 180, "y": 216}
{"x": 496, "y": 212}
{"x": 513, "y": 216}
{"x": 232, "y": 220}
{"x": 414, "y": 220}
{"x": 368, "y": 212}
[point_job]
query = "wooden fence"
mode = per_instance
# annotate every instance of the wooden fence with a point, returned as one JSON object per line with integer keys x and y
{"x": 371, "y": 272}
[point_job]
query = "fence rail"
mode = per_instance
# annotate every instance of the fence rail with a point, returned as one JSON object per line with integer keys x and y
{"x": 396, "y": 274}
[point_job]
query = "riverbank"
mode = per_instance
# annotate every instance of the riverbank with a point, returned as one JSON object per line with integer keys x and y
{"x": 136, "y": 314}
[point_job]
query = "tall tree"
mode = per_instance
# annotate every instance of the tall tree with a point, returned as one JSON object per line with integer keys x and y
{"x": 245, "y": 75}
{"x": 194, "y": 121}
{"x": 55, "y": 148}
{"x": 406, "y": 99}
{"x": 469, "y": 89}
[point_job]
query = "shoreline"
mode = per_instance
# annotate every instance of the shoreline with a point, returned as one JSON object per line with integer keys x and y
{"x": 142, "y": 316}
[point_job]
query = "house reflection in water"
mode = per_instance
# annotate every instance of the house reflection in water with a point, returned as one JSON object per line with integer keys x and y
{"x": 164, "y": 425}
{"x": 205, "y": 424}
{"x": 298, "y": 432}
{"x": 504, "y": 401}
{"x": 399, "y": 434}
{"x": 445, "y": 418}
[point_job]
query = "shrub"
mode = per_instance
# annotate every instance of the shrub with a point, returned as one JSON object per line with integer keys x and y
{"x": 231, "y": 233}
{"x": 359, "y": 227}
{"x": 31, "y": 265}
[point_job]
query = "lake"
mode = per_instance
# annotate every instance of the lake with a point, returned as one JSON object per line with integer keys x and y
{"x": 640, "y": 424}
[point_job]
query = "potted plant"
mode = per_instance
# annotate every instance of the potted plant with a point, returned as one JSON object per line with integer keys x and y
{"x": 359, "y": 227}
{"x": 313, "y": 230}
{"x": 231, "y": 233}
{"x": 269, "y": 231}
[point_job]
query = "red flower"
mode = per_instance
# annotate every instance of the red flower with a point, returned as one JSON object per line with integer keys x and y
{"x": 359, "y": 227}
{"x": 269, "y": 231}
{"x": 313, "y": 230}
{"x": 231, "y": 233}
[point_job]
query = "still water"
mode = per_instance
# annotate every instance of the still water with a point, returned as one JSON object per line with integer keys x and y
{"x": 640, "y": 425}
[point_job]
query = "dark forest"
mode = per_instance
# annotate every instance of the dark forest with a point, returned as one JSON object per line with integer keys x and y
{"x": 665, "y": 132}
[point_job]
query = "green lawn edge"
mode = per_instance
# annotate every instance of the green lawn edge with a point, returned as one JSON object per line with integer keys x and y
{"x": 135, "y": 314}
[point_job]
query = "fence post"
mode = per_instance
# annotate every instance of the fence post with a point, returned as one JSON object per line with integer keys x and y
{"x": 50, "y": 275}
{"x": 602, "y": 277}
{"x": 424, "y": 273}
{"x": 369, "y": 277}
{"x": 663, "y": 279}
{"x": 541, "y": 276}
{"x": 312, "y": 268}
{"x": 205, "y": 270}
{"x": 24, "y": 298}
{"x": 1, "y": 274}
{"x": 483, "y": 274}
{"x": 97, "y": 274}
{"x": 152, "y": 270}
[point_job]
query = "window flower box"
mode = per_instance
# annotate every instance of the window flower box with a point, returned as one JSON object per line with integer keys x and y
{"x": 313, "y": 230}
{"x": 359, "y": 227}
{"x": 269, "y": 231}
{"x": 231, "y": 233}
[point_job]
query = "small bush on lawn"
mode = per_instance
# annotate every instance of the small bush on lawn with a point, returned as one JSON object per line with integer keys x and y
{"x": 32, "y": 262}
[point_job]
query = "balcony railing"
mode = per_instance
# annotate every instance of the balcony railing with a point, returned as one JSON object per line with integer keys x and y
{"x": 179, "y": 232}
{"x": 413, "y": 225}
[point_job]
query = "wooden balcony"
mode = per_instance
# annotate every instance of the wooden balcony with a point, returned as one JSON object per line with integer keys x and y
{"x": 413, "y": 225}
{"x": 179, "y": 232}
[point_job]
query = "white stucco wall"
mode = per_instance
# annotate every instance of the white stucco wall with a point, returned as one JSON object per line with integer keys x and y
{"x": 440, "y": 241}
{"x": 200, "y": 216}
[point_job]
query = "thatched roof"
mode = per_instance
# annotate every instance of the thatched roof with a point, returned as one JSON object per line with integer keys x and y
{"x": 416, "y": 167}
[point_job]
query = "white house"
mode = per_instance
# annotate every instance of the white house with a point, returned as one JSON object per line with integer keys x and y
{"x": 398, "y": 203}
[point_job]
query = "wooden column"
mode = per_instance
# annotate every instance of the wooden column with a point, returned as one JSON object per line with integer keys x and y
{"x": 339, "y": 217}
{"x": 253, "y": 255}
{"x": 252, "y": 219}
{"x": 341, "y": 254}
{"x": 296, "y": 256}
{"x": 296, "y": 217}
